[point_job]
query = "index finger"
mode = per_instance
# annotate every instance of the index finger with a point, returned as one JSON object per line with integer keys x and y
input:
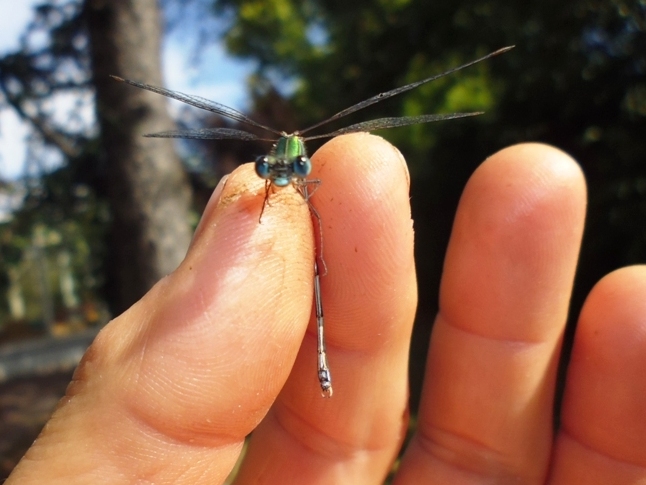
{"x": 369, "y": 297}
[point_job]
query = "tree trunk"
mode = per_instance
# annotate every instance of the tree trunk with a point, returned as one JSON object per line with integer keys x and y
{"x": 147, "y": 187}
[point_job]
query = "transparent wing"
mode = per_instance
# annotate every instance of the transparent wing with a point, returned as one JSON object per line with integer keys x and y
{"x": 199, "y": 102}
{"x": 384, "y": 123}
{"x": 394, "y": 92}
{"x": 209, "y": 134}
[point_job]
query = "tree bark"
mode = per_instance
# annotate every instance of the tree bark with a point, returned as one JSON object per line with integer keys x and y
{"x": 147, "y": 186}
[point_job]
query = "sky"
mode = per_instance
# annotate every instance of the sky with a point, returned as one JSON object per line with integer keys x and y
{"x": 216, "y": 76}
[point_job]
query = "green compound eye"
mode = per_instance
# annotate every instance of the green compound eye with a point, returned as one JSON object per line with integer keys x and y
{"x": 302, "y": 166}
{"x": 263, "y": 168}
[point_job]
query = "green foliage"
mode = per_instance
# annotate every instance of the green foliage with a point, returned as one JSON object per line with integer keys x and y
{"x": 274, "y": 32}
{"x": 361, "y": 49}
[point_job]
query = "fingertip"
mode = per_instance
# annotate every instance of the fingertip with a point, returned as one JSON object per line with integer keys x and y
{"x": 530, "y": 179}
{"x": 369, "y": 292}
{"x": 612, "y": 326}
{"x": 618, "y": 297}
{"x": 536, "y": 152}
{"x": 519, "y": 224}
{"x": 363, "y": 166}
{"x": 367, "y": 228}
{"x": 605, "y": 383}
{"x": 536, "y": 166}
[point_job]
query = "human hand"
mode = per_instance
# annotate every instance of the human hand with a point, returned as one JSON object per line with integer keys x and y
{"x": 227, "y": 343}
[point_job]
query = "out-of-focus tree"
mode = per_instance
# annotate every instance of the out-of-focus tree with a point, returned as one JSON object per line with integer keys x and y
{"x": 55, "y": 208}
{"x": 147, "y": 187}
{"x": 100, "y": 181}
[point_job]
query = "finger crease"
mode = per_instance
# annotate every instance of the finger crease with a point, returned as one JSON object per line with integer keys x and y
{"x": 462, "y": 453}
{"x": 515, "y": 342}
{"x": 317, "y": 441}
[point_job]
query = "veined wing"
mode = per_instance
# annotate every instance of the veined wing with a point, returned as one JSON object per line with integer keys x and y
{"x": 384, "y": 123}
{"x": 394, "y": 92}
{"x": 209, "y": 134}
{"x": 199, "y": 102}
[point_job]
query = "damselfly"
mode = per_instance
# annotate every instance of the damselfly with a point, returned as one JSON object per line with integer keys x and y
{"x": 288, "y": 162}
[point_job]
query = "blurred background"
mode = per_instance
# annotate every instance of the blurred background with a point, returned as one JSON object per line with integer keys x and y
{"x": 92, "y": 214}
